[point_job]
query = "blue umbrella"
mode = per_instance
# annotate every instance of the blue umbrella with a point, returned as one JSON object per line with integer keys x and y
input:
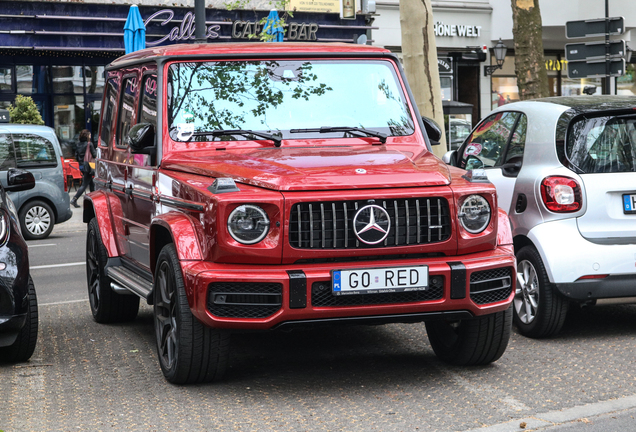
{"x": 273, "y": 27}
{"x": 134, "y": 31}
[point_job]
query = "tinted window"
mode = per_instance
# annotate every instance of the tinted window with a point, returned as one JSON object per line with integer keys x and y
{"x": 7, "y": 155}
{"x": 33, "y": 150}
{"x": 126, "y": 110}
{"x": 108, "y": 118}
{"x": 148, "y": 110}
{"x": 486, "y": 145}
{"x": 276, "y": 96}
{"x": 603, "y": 144}
{"x": 518, "y": 141}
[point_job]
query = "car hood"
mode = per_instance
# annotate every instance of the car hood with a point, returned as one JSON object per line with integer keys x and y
{"x": 325, "y": 168}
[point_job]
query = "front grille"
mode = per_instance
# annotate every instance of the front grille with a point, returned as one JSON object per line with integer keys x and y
{"x": 244, "y": 299}
{"x": 329, "y": 225}
{"x": 321, "y": 295}
{"x": 491, "y": 286}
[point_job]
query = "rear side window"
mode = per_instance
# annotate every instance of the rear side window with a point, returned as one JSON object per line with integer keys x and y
{"x": 604, "y": 144}
{"x": 33, "y": 151}
{"x": 126, "y": 110}
{"x": 7, "y": 153}
{"x": 108, "y": 118}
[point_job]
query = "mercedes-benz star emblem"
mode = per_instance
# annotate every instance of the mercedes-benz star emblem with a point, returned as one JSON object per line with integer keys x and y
{"x": 371, "y": 224}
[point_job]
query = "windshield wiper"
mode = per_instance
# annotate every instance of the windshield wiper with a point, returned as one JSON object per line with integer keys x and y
{"x": 328, "y": 129}
{"x": 277, "y": 140}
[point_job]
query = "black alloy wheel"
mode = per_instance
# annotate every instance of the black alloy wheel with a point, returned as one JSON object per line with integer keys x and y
{"x": 188, "y": 351}
{"x": 107, "y": 306}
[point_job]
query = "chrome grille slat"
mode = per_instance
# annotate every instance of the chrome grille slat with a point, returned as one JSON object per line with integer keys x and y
{"x": 413, "y": 222}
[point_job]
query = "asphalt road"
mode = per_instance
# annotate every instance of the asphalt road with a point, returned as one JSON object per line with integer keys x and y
{"x": 87, "y": 376}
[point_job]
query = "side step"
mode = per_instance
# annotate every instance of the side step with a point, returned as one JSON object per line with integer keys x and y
{"x": 128, "y": 280}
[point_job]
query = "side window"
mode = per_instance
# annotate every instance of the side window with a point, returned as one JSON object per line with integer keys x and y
{"x": 108, "y": 117}
{"x": 148, "y": 105}
{"x": 486, "y": 146}
{"x": 33, "y": 151}
{"x": 126, "y": 110}
{"x": 518, "y": 141}
{"x": 7, "y": 154}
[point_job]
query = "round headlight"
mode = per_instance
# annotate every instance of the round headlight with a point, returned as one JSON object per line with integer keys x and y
{"x": 248, "y": 224}
{"x": 474, "y": 214}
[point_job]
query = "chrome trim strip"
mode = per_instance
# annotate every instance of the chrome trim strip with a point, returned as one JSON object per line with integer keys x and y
{"x": 311, "y": 227}
{"x": 333, "y": 216}
{"x": 182, "y": 204}
{"x": 346, "y": 221}
{"x": 417, "y": 211}
{"x": 408, "y": 217}
{"x": 322, "y": 223}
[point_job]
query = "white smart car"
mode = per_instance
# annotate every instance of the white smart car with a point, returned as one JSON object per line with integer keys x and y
{"x": 565, "y": 171}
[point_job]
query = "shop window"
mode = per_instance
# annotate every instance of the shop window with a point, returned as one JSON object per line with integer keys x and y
{"x": 68, "y": 119}
{"x": 94, "y": 76}
{"x": 67, "y": 79}
{"x": 504, "y": 91}
{"x": 108, "y": 119}
{"x": 6, "y": 79}
{"x": 7, "y": 153}
{"x": 126, "y": 110}
{"x": 32, "y": 79}
{"x": 33, "y": 151}
{"x": 486, "y": 146}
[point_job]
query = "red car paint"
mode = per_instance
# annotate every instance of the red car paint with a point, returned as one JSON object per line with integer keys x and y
{"x": 141, "y": 206}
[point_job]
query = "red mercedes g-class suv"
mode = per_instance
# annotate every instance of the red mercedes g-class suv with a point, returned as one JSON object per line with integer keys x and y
{"x": 263, "y": 186}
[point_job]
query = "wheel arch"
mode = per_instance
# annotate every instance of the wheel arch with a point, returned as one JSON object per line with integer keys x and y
{"x": 44, "y": 200}
{"x": 176, "y": 228}
{"x": 96, "y": 205}
{"x": 521, "y": 241}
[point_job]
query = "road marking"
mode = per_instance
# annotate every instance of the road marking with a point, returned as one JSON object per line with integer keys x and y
{"x": 58, "y": 265}
{"x": 42, "y": 245}
{"x": 62, "y": 302}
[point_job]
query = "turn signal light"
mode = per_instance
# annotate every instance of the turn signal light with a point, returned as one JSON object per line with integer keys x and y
{"x": 561, "y": 194}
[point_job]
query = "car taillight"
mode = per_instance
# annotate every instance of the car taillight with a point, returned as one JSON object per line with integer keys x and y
{"x": 561, "y": 194}
{"x": 64, "y": 175}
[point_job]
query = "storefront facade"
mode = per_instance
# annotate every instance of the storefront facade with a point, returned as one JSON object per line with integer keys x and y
{"x": 56, "y": 52}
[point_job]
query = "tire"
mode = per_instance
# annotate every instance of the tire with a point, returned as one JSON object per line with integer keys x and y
{"x": 539, "y": 310}
{"x": 478, "y": 341}
{"x": 106, "y": 305}
{"x": 188, "y": 351}
{"x": 37, "y": 220}
{"x": 22, "y": 349}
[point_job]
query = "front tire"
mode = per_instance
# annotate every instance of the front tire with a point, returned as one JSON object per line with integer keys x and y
{"x": 37, "y": 220}
{"x": 188, "y": 351}
{"x": 22, "y": 349}
{"x": 106, "y": 305}
{"x": 478, "y": 341}
{"x": 539, "y": 311}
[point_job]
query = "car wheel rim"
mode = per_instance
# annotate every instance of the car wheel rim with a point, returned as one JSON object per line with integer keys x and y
{"x": 527, "y": 293}
{"x": 92, "y": 270}
{"x": 37, "y": 220}
{"x": 165, "y": 316}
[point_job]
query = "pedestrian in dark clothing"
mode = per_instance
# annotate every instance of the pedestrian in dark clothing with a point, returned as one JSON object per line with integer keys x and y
{"x": 87, "y": 171}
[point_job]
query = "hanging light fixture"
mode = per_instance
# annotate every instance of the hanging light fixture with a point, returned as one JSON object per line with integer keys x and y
{"x": 500, "y": 55}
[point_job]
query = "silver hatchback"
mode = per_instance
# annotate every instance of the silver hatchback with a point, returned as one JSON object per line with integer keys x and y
{"x": 36, "y": 149}
{"x": 565, "y": 172}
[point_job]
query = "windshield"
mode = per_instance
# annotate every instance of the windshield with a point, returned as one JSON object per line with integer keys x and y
{"x": 276, "y": 96}
{"x": 603, "y": 144}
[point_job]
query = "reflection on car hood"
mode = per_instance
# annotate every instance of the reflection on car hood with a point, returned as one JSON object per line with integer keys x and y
{"x": 325, "y": 168}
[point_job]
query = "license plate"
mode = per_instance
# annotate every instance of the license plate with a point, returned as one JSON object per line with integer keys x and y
{"x": 629, "y": 204}
{"x": 379, "y": 280}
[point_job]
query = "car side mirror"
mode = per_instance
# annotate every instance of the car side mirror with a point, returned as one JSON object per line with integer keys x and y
{"x": 450, "y": 158}
{"x": 19, "y": 180}
{"x": 433, "y": 130}
{"x": 141, "y": 139}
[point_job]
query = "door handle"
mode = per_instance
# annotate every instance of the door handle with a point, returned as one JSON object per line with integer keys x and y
{"x": 129, "y": 191}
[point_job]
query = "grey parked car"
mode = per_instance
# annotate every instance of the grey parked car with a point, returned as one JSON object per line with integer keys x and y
{"x": 565, "y": 171}
{"x": 36, "y": 149}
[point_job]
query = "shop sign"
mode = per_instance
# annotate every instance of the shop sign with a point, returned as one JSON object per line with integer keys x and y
{"x": 555, "y": 65}
{"x": 453, "y": 30}
{"x": 182, "y": 32}
{"x": 295, "y": 31}
{"x": 445, "y": 65}
{"x": 320, "y": 6}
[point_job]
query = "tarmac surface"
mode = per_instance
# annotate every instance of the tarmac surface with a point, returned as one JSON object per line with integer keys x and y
{"x": 89, "y": 376}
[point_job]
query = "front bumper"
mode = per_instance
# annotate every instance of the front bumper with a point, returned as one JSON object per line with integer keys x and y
{"x": 465, "y": 286}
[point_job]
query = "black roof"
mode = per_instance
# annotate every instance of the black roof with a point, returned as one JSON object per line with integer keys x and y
{"x": 582, "y": 104}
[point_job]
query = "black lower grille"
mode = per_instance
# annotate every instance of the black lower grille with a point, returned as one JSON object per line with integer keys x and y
{"x": 321, "y": 295}
{"x": 244, "y": 299}
{"x": 330, "y": 224}
{"x": 491, "y": 286}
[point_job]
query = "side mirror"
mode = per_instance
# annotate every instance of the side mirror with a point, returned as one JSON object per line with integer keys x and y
{"x": 141, "y": 138}
{"x": 450, "y": 158}
{"x": 19, "y": 180}
{"x": 433, "y": 130}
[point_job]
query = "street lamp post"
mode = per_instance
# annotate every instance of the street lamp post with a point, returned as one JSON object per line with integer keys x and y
{"x": 500, "y": 55}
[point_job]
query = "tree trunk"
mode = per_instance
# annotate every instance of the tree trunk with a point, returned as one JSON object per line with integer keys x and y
{"x": 420, "y": 61}
{"x": 532, "y": 78}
